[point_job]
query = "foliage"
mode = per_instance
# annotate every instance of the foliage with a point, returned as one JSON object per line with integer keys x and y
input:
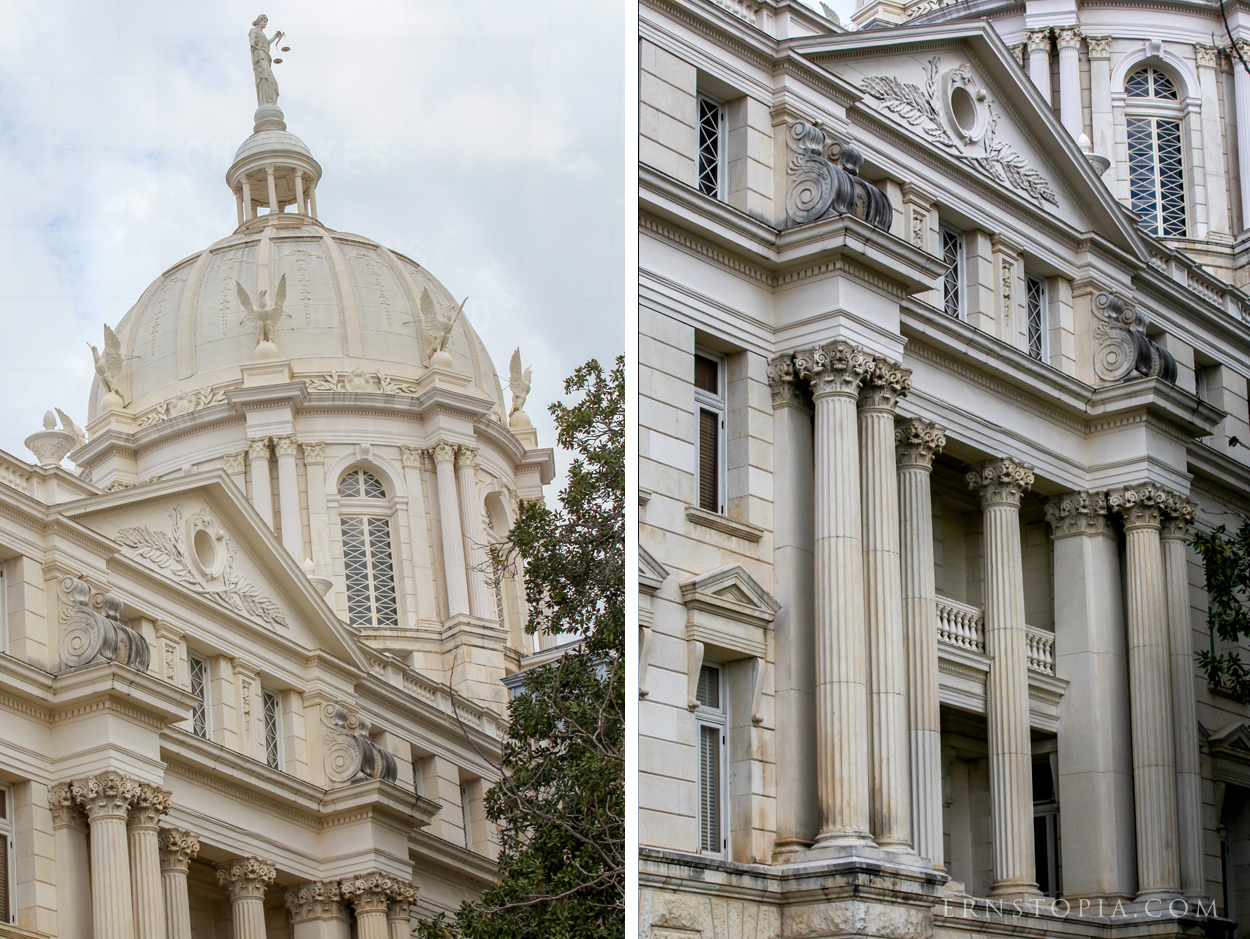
{"x": 1227, "y": 561}
{"x": 561, "y": 798}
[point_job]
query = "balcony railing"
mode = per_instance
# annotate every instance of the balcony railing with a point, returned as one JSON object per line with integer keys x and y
{"x": 963, "y": 626}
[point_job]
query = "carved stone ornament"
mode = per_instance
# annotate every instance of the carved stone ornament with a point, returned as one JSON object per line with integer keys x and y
{"x": 443, "y": 452}
{"x": 150, "y": 803}
{"x": 285, "y": 446}
{"x": 350, "y": 755}
{"x": 1038, "y": 39}
{"x": 884, "y": 383}
{"x": 784, "y": 384}
{"x": 1178, "y": 516}
{"x": 1077, "y": 513}
{"x": 246, "y": 876}
{"x": 178, "y": 847}
{"x": 313, "y": 452}
{"x": 105, "y": 794}
{"x": 202, "y": 562}
{"x": 184, "y": 402}
{"x": 824, "y": 181}
{"x": 956, "y": 113}
{"x": 91, "y": 638}
{"x": 1068, "y": 37}
{"x": 359, "y": 381}
{"x": 235, "y": 463}
{"x": 1122, "y": 351}
{"x": 1099, "y": 46}
{"x": 1139, "y": 506}
{"x": 317, "y": 899}
{"x": 371, "y": 893}
{"x": 1001, "y": 482}
{"x": 917, "y": 442}
{"x": 466, "y": 457}
{"x": 402, "y": 899}
{"x": 835, "y": 368}
{"x": 1206, "y": 55}
{"x": 258, "y": 450}
{"x": 411, "y": 457}
{"x": 66, "y": 812}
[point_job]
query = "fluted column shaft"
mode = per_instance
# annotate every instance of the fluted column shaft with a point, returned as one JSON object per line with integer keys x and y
{"x": 834, "y": 372}
{"x": 150, "y": 803}
{"x": 1180, "y": 513}
{"x": 262, "y": 488}
{"x": 177, "y": 848}
{"x": 246, "y": 880}
{"x": 444, "y": 455}
{"x": 1039, "y": 61}
{"x": 1069, "y": 42}
{"x": 106, "y": 800}
{"x": 917, "y": 442}
{"x": 890, "y": 788}
{"x": 480, "y": 603}
{"x": 288, "y": 498}
{"x": 1150, "y": 691}
{"x": 1241, "y": 89}
{"x": 73, "y": 864}
{"x": 1001, "y": 483}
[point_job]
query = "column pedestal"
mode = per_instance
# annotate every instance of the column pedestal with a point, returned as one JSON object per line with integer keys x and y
{"x": 246, "y": 879}
{"x": 73, "y": 863}
{"x": 444, "y": 455}
{"x": 177, "y": 848}
{"x": 106, "y": 798}
{"x": 150, "y": 803}
{"x": 317, "y": 911}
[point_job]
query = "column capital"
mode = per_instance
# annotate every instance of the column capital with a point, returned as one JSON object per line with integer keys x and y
{"x": 313, "y": 452}
{"x": 317, "y": 899}
{"x": 836, "y": 368}
{"x": 466, "y": 457}
{"x": 149, "y": 804}
{"x": 371, "y": 893}
{"x": 1038, "y": 39}
{"x": 285, "y": 445}
{"x": 1001, "y": 482}
{"x": 258, "y": 449}
{"x": 105, "y": 794}
{"x": 443, "y": 452}
{"x": 1099, "y": 46}
{"x": 235, "y": 462}
{"x": 1139, "y": 506}
{"x": 1206, "y": 54}
{"x": 1242, "y": 46}
{"x": 1178, "y": 515}
{"x": 178, "y": 847}
{"x": 411, "y": 457}
{"x": 917, "y": 442}
{"x": 66, "y": 812}
{"x": 246, "y": 876}
{"x": 1077, "y": 513}
{"x": 783, "y": 382}
{"x": 883, "y": 384}
{"x": 400, "y": 908}
{"x": 1068, "y": 37}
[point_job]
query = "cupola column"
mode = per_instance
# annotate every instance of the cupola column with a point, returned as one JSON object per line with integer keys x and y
{"x": 273, "y": 191}
{"x": 834, "y": 372}
{"x": 1039, "y": 61}
{"x": 917, "y": 442}
{"x": 475, "y": 550}
{"x": 1241, "y": 89}
{"x": 246, "y": 879}
{"x": 444, "y": 456}
{"x": 238, "y": 199}
{"x": 177, "y": 848}
{"x": 1068, "y": 38}
{"x": 299, "y": 192}
{"x": 247, "y": 199}
{"x": 1001, "y": 483}
{"x": 143, "y": 824}
{"x": 262, "y": 487}
{"x": 312, "y": 199}
{"x": 106, "y": 799}
{"x": 288, "y": 497}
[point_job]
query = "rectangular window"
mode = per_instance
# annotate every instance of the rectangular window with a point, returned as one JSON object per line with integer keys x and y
{"x": 1156, "y": 175}
{"x": 468, "y": 825}
{"x": 273, "y": 729}
{"x": 369, "y": 570}
{"x": 709, "y": 397}
{"x": 1045, "y": 829}
{"x": 711, "y": 721}
{"x": 953, "y": 280}
{"x": 8, "y": 863}
{"x": 712, "y": 148}
{"x": 1036, "y": 297}
{"x": 199, "y": 688}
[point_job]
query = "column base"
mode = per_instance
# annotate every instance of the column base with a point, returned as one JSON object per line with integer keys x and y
{"x": 840, "y": 838}
{"x": 1011, "y": 889}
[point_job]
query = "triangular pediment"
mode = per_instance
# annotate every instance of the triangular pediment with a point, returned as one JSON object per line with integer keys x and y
{"x": 1231, "y": 740}
{"x": 732, "y": 591}
{"x": 651, "y": 573}
{"x": 197, "y": 534}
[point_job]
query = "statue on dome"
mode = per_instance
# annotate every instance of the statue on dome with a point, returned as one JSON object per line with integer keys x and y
{"x": 262, "y": 61}
{"x": 438, "y": 327}
{"x": 109, "y": 367}
{"x": 264, "y": 318}
{"x": 518, "y": 382}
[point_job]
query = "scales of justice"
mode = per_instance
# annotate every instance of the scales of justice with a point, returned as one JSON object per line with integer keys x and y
{"x": 267, "y": 110}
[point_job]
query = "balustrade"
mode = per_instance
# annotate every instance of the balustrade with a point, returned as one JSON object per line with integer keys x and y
{"x": 963, "y": 626}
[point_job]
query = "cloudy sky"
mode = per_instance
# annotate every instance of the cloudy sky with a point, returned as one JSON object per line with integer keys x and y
{"x": 482, "y": 139}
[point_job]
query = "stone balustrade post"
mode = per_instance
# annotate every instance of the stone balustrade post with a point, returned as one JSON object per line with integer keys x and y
{"x": 262, "y": 487}
{"x": 916, "y": 444}
{"x": 481, "y": 603}
{"x": 177, "y": 848}
{"x": 370, "y": 896}
{"x": 1001, "y": 483}
{"x": 317, "y": 911}
{"x": 73, "y": 863}
{"x": 1178, "y": 516}
{"x": 246, "y": 879}
{"x": 890, "y": 790}
{"x": 444, "y": 456}
{"x": 1039, "y": 61}
{"x": 288, "y": 497}
{"x": 142, "y": 827}
{"x": 1068, "y": 39}
{"x": 105, "y": 798}
{"x": 834, "y": 371}
{"x": 1150, "y": 690}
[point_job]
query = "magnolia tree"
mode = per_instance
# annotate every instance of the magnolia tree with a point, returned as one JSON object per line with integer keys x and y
{"x": 1227, "y": 561}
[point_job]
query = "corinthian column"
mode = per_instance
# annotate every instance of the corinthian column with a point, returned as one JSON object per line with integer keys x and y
{"x": 1068, "y": 38}
{"x": 1001, "y": 483}
{"x": 1179, "y": 514}
{"x": 178, "y": 847}
{"x": 73, "y": 878}
{"x": 890, "y": 800}
{"x": 1039, "y": 61}
{"x": 1150, "y": 691}
{"x": 480, "y": 604}
{"x": 399, "y": 911}
{"x": 262, "y": 488}
{"x": 834, "y": 372}
{"x": 106, "y": 799}
{"x": 317, "y": 911}
{"x": 1241, "y": 90}
{"x": 246, "y": 879}
{"x": 150, "y": 803}
{"x": 288, "y": 497}
{"x": 370, "y": 896}
{"x": 444, "y": 456}
{"x": 916, "y": 443}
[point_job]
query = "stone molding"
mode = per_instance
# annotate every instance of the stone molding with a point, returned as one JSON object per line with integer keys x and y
{"x": 917, "y": 442}
{"x": 313, "y": 452}
{"x": 1077, "y": 513}
{"x": 285, "y": 446}
{"x": 443, "y": 452}
{"x": 150, "y": 803}
{"x": 1038, "y": 40}
{"x": 107, "y": 794}
{"x": 235, "y": 463}
{"x": 246, "y": 876}
{"x": 1001, "y": 482}
{"x": 1140, "y": 506}
{"x": 783, "y": 382}
{"x": 466, "y": 457}
{"x": 315, "y": 900}
{"x": 258, "y": 449}
{"x": 374, "y": 892}
{"x": 1099, "y": 46}
{"x": 835, "y": 368}
{"x": 66, "y": 812}
{"x": 411, "y": 457}
{"x": 1178, "y": 515}
{"x": 178, "y": 847}
{"x": 883, "y": 384}
{"x": 1068, "y": 37}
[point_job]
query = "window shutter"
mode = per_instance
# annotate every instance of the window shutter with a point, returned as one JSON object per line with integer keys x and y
{"x": 709, "y": 788}
{"x": 709, "y": 455}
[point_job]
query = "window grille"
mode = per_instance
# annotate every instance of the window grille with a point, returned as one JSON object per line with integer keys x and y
{"x": 711, "y": 148}
{"x": 199, "y": 690}
{"x": 953, "y": 279}
{"x": 1150, "y": 83}
{"x": 273, "y": 728}
{"x": 8, "y": 861}
{"x": 1036, "y": 317}
{"x": 464, "y": 808}
{"x": 369, "y": 568}
{"x": 361, "y": 484}
{"x": 1156, "y": 175}
{"x": 710, "y": 446}
{"x": 712, "y": 756}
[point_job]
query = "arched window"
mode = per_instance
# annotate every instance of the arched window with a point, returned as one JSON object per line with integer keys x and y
{"x": 368, "y": 557}
{"x": 1156, "y": 166}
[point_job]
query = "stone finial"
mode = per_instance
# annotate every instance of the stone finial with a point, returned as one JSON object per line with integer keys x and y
{"x": 105, "y": 794}
{"x": 1178, "y": 515}
{"x": 917, "y": 442}
{"x": 443, "y": 452}
{"x": 150, "y": 803}
{"x": 317, "y": 899}
{"x": 285, "y": 446}
{"x": 258, "y": 449}
{"x": 835, "y": 368}
{"x": 783, "y": 382}
{"x": 246, "y": 876}
{"x": 177, "y": 847}
{"x": 66, "y": 812}
{"x": 883, "y": 384}
{"x": 1139, "y": 506}
{"x": 1077, "y": 513}
{"x": 1099, "y": 46}
{"x": 370, "y": 893}
{"x": 1001, "y": 482}
{"x": 313, "y": 452}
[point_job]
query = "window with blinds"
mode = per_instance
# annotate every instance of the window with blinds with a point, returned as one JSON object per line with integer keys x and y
{"x": 712, "y": 728}
{"x": 709, "y": 394}
{"x": 1036, "y": 316}
{"x": 952, "y": 243}
{"x": 8, "y": 863}
{"x": 711, "y": 148}
{"x": 273, "y": 729}
{"x": 199, "y": 690}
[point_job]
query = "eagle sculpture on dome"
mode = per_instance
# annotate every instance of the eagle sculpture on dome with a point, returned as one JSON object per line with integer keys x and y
{"x": 109, "y": 365}
{"x": 437, "y": 326}
{"x": 518, "y": 382}
{"x": 262, "y": 317}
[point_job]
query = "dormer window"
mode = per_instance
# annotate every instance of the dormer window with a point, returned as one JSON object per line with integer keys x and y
{"x": 1156, "y": 166}
{"x": 368, "y": 555}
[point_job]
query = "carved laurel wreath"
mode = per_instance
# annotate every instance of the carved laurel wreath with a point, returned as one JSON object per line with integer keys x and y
{"x": 918, "y": 108}
{"x": 232, "y": 591}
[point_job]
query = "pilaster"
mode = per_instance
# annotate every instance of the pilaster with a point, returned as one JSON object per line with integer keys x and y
{"x": 73, "y": 864}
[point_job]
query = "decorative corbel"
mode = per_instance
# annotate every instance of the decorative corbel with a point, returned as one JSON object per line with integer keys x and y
{"x": 694, "y": 662}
